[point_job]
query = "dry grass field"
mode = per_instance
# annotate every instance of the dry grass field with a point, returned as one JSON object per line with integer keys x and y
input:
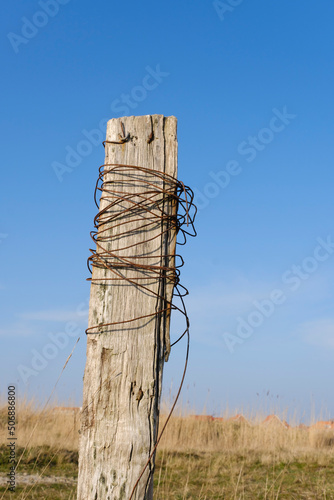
{"x": 198, "y": 458}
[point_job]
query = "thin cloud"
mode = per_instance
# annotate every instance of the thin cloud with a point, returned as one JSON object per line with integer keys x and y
{"x": 17, "y": 329}
{"x": 319, "y": 332}
{"x": 215, "y": 309}
{"x": 53, "y": 315}
{"x": 226, "y": 299}
{"x": 36, "y": 323}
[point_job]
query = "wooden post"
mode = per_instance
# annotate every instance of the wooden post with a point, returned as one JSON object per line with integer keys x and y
{"x": 123, "y": 374}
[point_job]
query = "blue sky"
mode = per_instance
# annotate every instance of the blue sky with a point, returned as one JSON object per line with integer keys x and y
{"x": 251, "y": 85}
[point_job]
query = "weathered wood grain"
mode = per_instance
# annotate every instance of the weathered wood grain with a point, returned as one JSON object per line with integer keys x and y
{"x": 119, "y": 425}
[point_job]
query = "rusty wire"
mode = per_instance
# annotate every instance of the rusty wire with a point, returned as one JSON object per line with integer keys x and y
{"x": 148, "y": 210}
{"x": 161, "y": 201}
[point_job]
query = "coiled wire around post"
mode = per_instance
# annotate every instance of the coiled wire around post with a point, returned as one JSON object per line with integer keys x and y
{"x": 127, "y": 214}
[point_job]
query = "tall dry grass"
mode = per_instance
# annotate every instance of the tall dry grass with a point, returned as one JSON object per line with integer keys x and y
{"x": 198, "y": 458}
{"x": 184, "y": 433}
{"x": 36, "y": 426}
